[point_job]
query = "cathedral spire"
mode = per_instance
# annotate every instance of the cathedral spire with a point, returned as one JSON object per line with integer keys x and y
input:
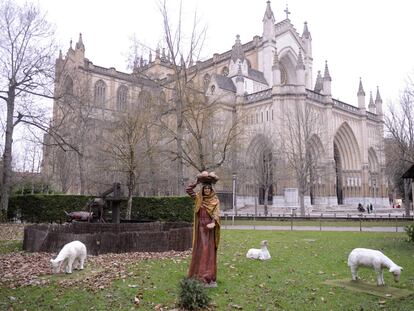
{"x": 300, "y": 64}
{"x": 269, "y": 13}
{"x": 378, "y": 103}
{"x": 371, "y": 105}
{"x": 361, "y": 96}
{"x": 79, "y": 45}
{"x": 327, "y": 81}
{"x": 300, "y": 70}
{"x": 237, "y": 52}
{"x": 360, "y": 89}
{"x": 319, "y": 83}
{"x": 378, "y": 96}
{"x": 326, "y": 75}
{"x": 306, "y": 34}
{"x": 268, "y": 24}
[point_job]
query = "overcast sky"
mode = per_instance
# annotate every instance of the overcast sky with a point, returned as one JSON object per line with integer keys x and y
{"x": 368, "y": 39}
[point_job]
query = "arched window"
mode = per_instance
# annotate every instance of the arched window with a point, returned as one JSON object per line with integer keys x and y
{"x": 225, "y": 71}
{"x": 206, "y": 80}
{"x": 212, "y": 89}
{"x": 144, "y": 99}
{"x": 122, "y": 98}
{"x": 100, "y": 93}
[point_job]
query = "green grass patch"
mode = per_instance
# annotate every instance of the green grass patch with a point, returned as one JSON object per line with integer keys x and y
{"x": 371, "y": 288}
{"x": 317, "y": 223}
{"x": 294, "y": 279}
{"x": 10, "y": 246}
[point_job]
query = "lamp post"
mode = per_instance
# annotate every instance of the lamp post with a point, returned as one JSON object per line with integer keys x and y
{"x": 374, "y": 182}
{"x": 234, "y": 195}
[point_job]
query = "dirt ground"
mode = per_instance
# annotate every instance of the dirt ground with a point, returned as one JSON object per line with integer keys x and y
{"x": 21, "y": 268}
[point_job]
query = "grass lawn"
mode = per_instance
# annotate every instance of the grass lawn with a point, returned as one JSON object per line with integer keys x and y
{"x": 292, "y": 280}
{"x": 316, "y": 223}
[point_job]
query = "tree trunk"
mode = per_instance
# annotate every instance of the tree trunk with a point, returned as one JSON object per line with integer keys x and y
{"x": 302, "y": 203}
{"x": 7, "y": 156}
{"x": 180, "y": 177}
{"x": 151, "y": 163}
{"x": 131, "y": 186}
{"x": 407, "y": 186}
{"x": 81, "y": 166}
{"x": 266, "y": 195}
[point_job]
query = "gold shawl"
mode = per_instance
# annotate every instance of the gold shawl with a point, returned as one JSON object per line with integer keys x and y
{"x": 212, "y": 205}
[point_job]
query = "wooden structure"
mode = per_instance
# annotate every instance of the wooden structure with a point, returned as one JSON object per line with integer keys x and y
{"x": 114, "y": 202}
{"x": 110, "y": 198}
{"x": 101, "y": 238}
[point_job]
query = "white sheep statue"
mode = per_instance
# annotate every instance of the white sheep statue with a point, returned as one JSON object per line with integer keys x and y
{"x": 72, "y": 255}
{"x": 375, "y": 260}
{"x": 262, "y": 254}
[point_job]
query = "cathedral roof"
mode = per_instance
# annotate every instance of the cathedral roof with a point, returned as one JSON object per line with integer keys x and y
{"x": 257, "y": 76}
{"x": 224, "y": 83}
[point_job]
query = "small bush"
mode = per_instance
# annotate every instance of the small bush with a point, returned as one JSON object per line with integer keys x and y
{"x": 192, "y": 295}
{"x": 410, "y": 232}
{"x": 46, "y": 208}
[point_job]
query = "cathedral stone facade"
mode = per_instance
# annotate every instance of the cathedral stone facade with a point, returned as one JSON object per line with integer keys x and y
{"x": 289, "y": 118}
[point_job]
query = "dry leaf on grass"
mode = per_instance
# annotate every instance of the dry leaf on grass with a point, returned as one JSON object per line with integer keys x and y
{"x": 25, "y": 269}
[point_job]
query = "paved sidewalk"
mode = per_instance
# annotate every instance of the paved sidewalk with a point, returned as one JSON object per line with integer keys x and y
{"x": 314, "y": 228}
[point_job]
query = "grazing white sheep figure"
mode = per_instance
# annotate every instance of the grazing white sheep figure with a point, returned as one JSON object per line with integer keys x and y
{"x": 262, "y": 254}
{"x": 71, "y": 255}
{"x": 373, "y": 259}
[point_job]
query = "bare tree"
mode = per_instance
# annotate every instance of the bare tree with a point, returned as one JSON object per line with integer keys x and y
{"x": 75, "y": 119}
{"x": 26, "y": 48}
{"x": 263, "y": 164}
{"x": 128, "y": 143}
{"x": 179, "y": 57}
{"x": 209, "y": 132}
{"x": 300, "y": 125}
{"x": 399, "y": 122}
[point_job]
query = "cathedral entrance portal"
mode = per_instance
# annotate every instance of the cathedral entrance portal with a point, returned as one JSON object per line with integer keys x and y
{"x": 338, "y": 177}
{"x": 265, "y": 176}
{"x": 269, "y": 196}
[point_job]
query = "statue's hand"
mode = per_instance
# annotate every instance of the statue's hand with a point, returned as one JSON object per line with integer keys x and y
{"x": 211, "y": 225}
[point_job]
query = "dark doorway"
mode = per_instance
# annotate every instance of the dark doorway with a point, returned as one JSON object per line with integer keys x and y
{"x": 269, "y": 196}
{"x": 338, "y": 171}
{"x": 265, "y": 172}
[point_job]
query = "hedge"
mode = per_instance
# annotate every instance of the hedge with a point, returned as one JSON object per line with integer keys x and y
{"x": 40, "y": 208}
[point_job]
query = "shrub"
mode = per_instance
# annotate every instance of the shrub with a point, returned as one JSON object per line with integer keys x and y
{"x": 44, "y": 208}
{"x": 51, "y": 208}
{"x": 162, "y": 208}
{"x": 410, "y": 232}
{"x": 192, "y": 294}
